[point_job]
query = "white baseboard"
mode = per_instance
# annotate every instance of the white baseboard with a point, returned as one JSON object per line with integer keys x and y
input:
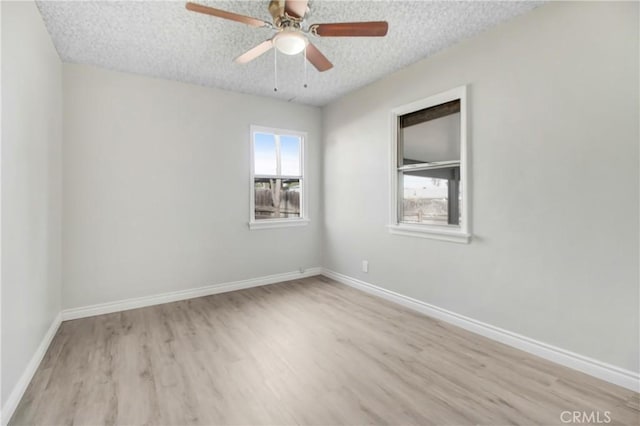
{"x": 18, "y": 390}
{"x": 174, "y": 296}
{"x": 607, "y": 372}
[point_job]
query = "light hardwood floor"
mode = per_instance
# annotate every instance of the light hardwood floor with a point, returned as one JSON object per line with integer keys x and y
{"x": 309, "y": 352}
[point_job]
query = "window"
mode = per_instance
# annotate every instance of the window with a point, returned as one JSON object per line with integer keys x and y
{"x": 277, "y": 178}
{"x": 429, "y": 171}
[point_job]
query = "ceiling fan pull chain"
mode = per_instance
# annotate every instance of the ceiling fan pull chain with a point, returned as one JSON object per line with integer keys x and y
{"x": 275, "y": 70}
{"x": 304, "y": 58}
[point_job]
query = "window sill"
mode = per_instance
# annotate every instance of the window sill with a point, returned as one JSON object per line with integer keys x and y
{"x": 431, "y": 232}
{"x": 277, "y": 223}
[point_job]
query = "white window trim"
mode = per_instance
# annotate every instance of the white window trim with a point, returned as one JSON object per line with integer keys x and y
{"x": 452, "y": 233}
{"x": 304, "y": 219}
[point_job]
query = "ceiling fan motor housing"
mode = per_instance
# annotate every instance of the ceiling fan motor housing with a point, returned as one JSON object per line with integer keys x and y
{"x": 282, "y": 19}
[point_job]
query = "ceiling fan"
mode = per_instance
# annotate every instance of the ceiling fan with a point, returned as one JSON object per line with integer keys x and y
{"x": 291, "y": 37}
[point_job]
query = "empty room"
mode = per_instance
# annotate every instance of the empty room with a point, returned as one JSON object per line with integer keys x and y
{"x": 317, "y": 212}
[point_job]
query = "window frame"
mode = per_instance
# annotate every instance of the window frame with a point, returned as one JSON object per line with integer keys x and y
{"x": 303, "y": 220}
{"x": 452, "y": 233}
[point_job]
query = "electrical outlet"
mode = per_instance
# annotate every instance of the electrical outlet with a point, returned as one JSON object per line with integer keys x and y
{"x": 365, "y": 266}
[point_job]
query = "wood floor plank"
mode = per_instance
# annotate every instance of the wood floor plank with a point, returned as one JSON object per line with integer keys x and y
{"x": 306, "y": 352}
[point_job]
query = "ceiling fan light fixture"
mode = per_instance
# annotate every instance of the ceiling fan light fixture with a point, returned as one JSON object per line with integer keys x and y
{"x": 290, "y": 42}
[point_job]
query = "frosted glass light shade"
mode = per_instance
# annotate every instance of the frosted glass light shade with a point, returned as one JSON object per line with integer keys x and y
{"x": 289, "y": 42}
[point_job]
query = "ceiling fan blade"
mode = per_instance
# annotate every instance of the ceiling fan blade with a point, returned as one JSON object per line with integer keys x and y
{"x": 351, "y": 29}
{"x": 296, "y": 8}
{"x": 253, "y": 22}
{"x": 254, "y": 52}
{"x": 317, "y": 59}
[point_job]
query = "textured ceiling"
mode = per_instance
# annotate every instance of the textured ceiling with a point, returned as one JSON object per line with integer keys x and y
{"x": 163, "y": 39}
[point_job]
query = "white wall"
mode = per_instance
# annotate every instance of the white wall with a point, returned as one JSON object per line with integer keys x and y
{"x": 31, "y": 187}
{"x": 156, "y": 187}
{"x": 554, "y": 152}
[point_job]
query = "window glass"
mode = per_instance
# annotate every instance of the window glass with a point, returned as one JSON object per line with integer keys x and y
{"x": 433, "y": 140}
{"x": 265, "y": 155}
{"x": 277, "y": 198}
{"x": 278, "y": 183}
{"x": 290, "y": 155}
{"x": 425, "y": 197}
{"x": 429, "y": 165}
